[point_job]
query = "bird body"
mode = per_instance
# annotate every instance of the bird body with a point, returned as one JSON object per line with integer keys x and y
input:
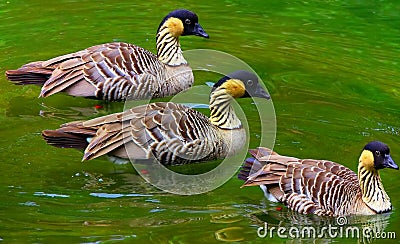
{"x": 322, "y": 187}
{"x": 170, "y": 132}
{"x": 119, "y": 71}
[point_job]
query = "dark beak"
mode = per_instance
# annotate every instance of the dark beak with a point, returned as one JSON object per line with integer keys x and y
{"x": 260, "y": 92}
{"x": 389, "y": 163}
{"x": 199, "y": 31}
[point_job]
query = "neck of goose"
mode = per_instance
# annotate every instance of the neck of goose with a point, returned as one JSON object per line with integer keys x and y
{"x": 373, "y": 193}
{"x": 168, "y": 48}
{"x": 222, "y": 113}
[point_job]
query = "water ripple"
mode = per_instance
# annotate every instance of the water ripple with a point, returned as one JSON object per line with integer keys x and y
{"x": 29, "y": 204}
{"x": 117, "y": 195}
{"x": 42, "y": 194}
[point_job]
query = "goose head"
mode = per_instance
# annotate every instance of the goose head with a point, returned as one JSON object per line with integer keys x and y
{"x": 182, "y": 22}
{"x": 375, "y": 156}
{"x": 240, "y": 84}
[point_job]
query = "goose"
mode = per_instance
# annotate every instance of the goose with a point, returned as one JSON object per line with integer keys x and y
{"x": 119, "y": 71}
{"x": 322, "y": 187}
{"x": 169, "y": 132}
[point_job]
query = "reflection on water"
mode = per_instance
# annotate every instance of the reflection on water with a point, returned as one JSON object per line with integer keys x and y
{"x": 303, "y": 228}
{"x": 73, "y": 113}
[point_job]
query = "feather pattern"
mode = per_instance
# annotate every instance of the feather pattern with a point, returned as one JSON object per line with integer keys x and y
{"x": 160, "y": 129}
{"x": 116, "y": 71}
{"x": 316, "y": 186}
{"x": 170, "y": 132}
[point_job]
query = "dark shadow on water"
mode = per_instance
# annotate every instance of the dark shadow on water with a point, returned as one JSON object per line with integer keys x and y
{"x": 69, "y": 109}
{"x": 303, "y": 228}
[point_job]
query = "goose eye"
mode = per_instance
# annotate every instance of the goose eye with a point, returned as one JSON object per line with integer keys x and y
{"x": 187, "y": 21}
{"x": 250, "y": 82}
{"x": 377, "y": 153}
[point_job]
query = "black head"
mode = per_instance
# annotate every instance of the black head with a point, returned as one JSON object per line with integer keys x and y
{"x": 251, "y": 86}
{"x": 381, "y": 154}
{"x": 189, "y": 20}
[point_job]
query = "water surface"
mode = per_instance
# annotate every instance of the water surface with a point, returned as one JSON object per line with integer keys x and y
{"x": 331, "y": 67}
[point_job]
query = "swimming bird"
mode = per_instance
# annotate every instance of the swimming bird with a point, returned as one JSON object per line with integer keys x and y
{"x": 119, "y": 71}
{"x": 322, "y": 187}
{"x": 169, "y": 132}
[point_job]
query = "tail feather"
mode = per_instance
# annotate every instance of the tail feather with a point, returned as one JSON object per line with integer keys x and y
{"x": 266, "y": 167}
{"x": 249, "y": 166}
{"x": 64, "y": 140}
{"x": 71, "y": 135}
{"x": 262, "y": 152}
{"x": 252, "y": 165}
{"x": 94, "y": 141}
{"x": 31, "y": 73}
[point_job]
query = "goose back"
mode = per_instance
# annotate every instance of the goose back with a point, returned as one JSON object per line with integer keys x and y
{"x": 305, "y": 185}
{"x": 170, "y": 132}
{"x": 115, "y": 71}
{"x": 119, "y": 71}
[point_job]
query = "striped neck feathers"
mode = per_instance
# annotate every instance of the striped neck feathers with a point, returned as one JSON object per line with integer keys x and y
{"x": 222, "y": 112}
{"x": 373, "y": 193}
{"x": 168, "y": 48}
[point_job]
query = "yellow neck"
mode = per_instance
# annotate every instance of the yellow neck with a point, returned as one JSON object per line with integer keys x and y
{"x": 222, "y": 113}
{"x": 373, "y": 193}
{"x": 168, "y": 48}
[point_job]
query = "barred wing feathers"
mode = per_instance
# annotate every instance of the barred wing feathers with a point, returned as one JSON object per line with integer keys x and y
{"x": 307, "y": 186}
{"x": 110, "y": 71}
{"x": 172, "y": 133}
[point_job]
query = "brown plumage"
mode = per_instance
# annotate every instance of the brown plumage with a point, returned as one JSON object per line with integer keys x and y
{"x": 172, "y": 133}
{"x": 119, "y": 71}
{"x": 322, "y": 187}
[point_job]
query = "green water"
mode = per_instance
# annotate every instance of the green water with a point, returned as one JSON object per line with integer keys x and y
{"x": 331, "y": 67}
